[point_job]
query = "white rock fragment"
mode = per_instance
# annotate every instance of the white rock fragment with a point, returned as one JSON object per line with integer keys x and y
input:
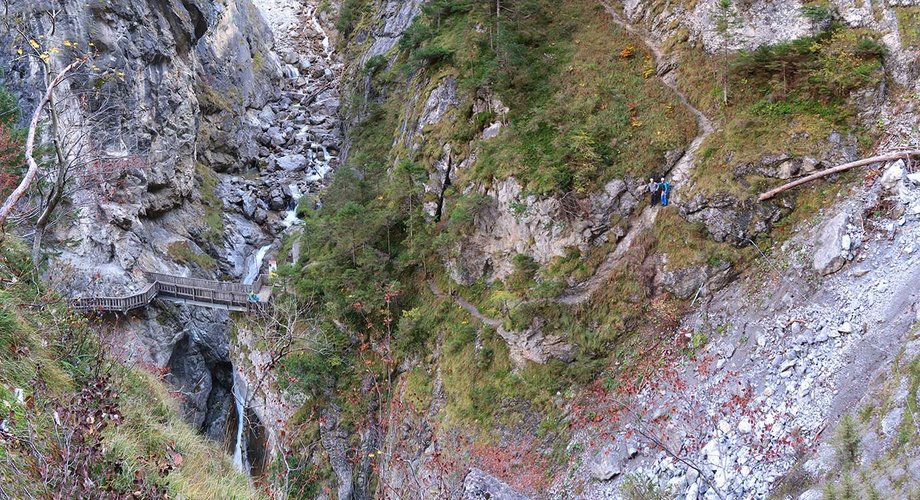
{"x": 745, "y": 426}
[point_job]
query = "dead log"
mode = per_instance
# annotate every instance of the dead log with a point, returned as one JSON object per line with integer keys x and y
{"x": 902, "y": 155}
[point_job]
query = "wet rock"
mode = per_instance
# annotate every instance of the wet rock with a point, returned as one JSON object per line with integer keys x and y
{"x": 291, "y": 162}
{"x": 277, "y": 199}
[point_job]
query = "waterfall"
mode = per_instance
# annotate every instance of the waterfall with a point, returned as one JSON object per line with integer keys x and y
{"x": 240, "y": 460}
{"x": 290, "y": 217}
{"x": 255, "y": 265}
{"x": 319, "y": 28}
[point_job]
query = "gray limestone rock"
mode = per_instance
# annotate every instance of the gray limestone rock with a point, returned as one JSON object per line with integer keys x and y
{"x": 830, "y": 255}
{"x": 477, "y": 485}
{"x": 608, "y": 463}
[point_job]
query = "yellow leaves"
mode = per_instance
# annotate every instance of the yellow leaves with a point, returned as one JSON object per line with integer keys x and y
{"x": 627, "y": 51}
{"x": 19, "y": 51}
{"x": 34, "y": 44}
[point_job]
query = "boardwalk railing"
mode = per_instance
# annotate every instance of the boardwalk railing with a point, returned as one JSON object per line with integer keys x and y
{"x": 206, "y": 293}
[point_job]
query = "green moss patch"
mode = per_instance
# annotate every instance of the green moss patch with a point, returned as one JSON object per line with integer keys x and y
{"x": 181, "y": 252}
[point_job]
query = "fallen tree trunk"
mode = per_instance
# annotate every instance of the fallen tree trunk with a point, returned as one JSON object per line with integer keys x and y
{"x": 902, "y": 155}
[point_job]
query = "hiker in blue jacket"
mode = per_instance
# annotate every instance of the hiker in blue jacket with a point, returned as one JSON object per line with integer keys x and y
{"x": 665, "y": 191}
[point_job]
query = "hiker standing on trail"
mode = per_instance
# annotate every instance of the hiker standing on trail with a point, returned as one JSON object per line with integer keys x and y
{"x": 653, "y": 189}
{"x": 665, "y": 191}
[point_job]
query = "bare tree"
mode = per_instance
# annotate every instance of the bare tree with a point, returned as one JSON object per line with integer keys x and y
{"x": 34, "y": 167}
{"x": 81, "y": 111}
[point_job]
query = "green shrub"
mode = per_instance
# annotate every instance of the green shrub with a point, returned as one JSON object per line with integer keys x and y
{"x": 431, "y": 55}
{"x": 415, "y": 35}
{"x": 213, "y": 206}
{"x": 181, "y": 252}
{"x": 525, "y": 270}
{"x": 909, "y": 25}
{"x": 9, "y": 108}
{"x": 847, "y": 442}
{"x": 819, "y": 13}
{"x": 641, "y": 487}
{"x": 349, "y": 15}
{"x": 418, "y": 390}
{"x": 375, "y": 64}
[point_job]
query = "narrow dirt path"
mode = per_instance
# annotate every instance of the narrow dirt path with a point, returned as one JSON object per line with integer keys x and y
{"x": 679, "y": 175}
{"x": 465, "y": 304}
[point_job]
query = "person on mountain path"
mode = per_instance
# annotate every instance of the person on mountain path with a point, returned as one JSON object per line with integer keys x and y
{"x": 665, "y": 191}
{"x": 653, "y": 189}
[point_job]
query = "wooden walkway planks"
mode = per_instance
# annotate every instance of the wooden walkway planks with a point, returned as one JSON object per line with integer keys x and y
{"x": 206, "y": 293}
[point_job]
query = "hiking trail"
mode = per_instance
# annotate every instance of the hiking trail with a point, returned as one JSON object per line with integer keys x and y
{"x": 679, "y": 174}
{"x": 465, "y": 304}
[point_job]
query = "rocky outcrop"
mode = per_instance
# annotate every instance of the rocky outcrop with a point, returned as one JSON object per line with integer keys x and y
{"x": 480, "y": 486}
{"x": 532, "y": 344}
{"x": 832, "y": 247}
{"x": 511, "y": 222}
{"x": 785, "y": 356}
{"x": 392, "y": 20}
{"x": 220, "y": 129}
{"x": 753, "y": 24}
{"x": 728, "y": 219}
{"x": 696, "y": 281}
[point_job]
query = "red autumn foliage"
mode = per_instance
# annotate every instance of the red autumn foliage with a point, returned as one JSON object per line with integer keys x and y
{"x": 10, "y": 161}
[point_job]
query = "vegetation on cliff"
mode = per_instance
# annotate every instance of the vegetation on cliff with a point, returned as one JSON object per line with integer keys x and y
{"x": 584, "y": 106}
{"x": 78, "y": 424}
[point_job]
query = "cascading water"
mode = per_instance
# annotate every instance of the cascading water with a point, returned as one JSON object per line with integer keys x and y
{"x": 255, "y": 265}
{"x": 240, "y": 460}
{"x": 290, "y": 217}
{"x": 319, "y": 29}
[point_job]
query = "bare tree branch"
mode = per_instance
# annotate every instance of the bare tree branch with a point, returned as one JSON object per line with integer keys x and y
{"x": 27, "y": 179}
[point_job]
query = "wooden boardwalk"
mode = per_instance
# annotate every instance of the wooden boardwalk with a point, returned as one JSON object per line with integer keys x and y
{"x": 205, "y": 293}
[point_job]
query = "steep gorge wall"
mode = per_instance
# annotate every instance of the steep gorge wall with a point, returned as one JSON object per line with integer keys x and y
{"x": 189, "y": 138}
{"x": 510, "y": 220}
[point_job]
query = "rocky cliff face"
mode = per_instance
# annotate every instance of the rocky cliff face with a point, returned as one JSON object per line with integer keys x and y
{"x": 221, "y": 128}
{"x": 509, "y": 221}
{"x": 231, "y": 118}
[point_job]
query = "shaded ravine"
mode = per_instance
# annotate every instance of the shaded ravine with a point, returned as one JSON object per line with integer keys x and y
{"x": 679, "y": 174}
